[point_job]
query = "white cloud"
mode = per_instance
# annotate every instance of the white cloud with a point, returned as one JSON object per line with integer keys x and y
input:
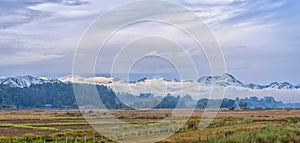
{"x": 64, "y": 11}
{"x": 54, "y": 28}
{"x": 195, "y": 2}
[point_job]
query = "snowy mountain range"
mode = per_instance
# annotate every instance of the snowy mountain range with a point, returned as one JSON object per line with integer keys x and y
{"x": 25, "y": 81}
{"x": 228, "y": 80}
{"x": 225, "y": 80}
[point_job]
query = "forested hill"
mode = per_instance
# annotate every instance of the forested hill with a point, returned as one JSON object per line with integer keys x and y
{"x": 59, "y": 95}
{"x": 50, "y": 95}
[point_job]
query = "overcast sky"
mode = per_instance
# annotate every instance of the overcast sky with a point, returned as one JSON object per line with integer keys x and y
{"x": 259, "y": 39}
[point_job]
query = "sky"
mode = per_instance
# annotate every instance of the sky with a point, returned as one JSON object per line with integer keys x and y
{"x": 259, "y": 39}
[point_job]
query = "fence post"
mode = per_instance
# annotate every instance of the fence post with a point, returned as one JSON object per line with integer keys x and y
{"x": 66, "y": 139}
{"x": 129, "y": 135}
{"x": 123, "y": 135}
{"x": 84, "y": 139}
{"x": 94, "y": 138}
{"x": 44, "y": 140}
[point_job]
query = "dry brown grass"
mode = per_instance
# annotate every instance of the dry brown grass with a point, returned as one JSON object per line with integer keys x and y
{"x": 44, "y": 118}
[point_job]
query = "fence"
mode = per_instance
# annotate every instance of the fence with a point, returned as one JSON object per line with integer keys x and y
{"x": 141, "y": 133}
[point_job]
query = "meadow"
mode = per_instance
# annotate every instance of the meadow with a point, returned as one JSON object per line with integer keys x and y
{"x": 263, "y": 126}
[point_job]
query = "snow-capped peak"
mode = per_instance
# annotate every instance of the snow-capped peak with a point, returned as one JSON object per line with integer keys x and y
{"x": 25, "y": 81}
{"x": 224, "y": 80}
{"x": 281, "y": 85}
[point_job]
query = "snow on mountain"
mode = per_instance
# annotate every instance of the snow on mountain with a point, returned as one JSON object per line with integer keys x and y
{"x": 197, "y": 89}
{"x": 224, "y": 80}
{"x": 25, "y": 81}
{"x": 147, "y": 84}
{"x": 281, "y": 85}
{"x": 90, "y": 80}
{"x": 255, "y": 86}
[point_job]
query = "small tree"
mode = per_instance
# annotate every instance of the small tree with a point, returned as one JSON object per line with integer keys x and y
{"x": 243, "y": 105}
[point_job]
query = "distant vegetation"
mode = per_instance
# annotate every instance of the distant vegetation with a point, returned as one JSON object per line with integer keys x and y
{"x": 61, "y": 96}
{"x": 57, "y": 95}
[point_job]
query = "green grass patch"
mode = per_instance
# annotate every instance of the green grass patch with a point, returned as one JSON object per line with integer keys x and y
{"x": 23, "y": 126}
{"x": 269, "y": 134}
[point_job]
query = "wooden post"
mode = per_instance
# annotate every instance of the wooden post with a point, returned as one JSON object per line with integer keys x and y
{"x": 129, "y": 135}
{"x": 76, "y": 138}
{"x": 66, "y": 139}
{"x": 84, "y": 139}
{"x": 94, "y": 138}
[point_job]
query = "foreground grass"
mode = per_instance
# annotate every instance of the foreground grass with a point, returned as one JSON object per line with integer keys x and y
{"x": 269, "y": 134}
{"x": 254, "y": 132}
{"x": 22, "y": 126}
{"x": 229, "y": 127}
{"x": 285, "y": 131}
{"x": 66, "y": 136}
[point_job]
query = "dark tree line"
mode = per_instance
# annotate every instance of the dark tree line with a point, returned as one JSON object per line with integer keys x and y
{"x": 58, "y": 95}
{"x": 61, "y": 96}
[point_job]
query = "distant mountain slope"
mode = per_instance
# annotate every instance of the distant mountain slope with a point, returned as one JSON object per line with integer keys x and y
{"x": 226, "y": 80}
{"x": 38, "y": 93}
{"x": 25, "y": 81}
{"x": 160, "y": 86}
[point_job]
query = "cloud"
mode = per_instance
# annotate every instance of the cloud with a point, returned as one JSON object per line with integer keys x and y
{"x": 64, "y": 10}
{"x": 195, "y": 3}
{"x": 13, "y": 12}
{"x": 253, "y": 34}
{"x": 23, "y": 58}
{"x": 221, "y": 13}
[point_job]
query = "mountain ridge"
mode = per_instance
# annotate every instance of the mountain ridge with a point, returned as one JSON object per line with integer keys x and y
{"x": 225, "y": 80}
{"x": 26, "y": 81}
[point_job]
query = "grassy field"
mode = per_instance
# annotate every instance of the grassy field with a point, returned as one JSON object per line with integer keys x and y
{"x": 267, "y": 126}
